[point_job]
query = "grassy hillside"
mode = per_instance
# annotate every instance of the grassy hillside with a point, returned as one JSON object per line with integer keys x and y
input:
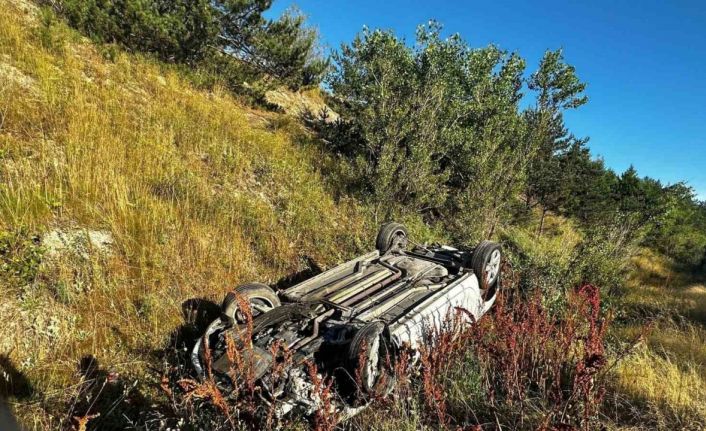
{"x": 131, "y": 201}
{"x": 195, "y": 193}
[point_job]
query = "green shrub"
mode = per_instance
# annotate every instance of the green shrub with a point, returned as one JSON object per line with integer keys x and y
{"x": 20, "y": 256}
{"x": 566, "y": 256}
{"x": 174, "y": 30}
{"x": 431, "y": 129}
{"x": 231, "y": 40}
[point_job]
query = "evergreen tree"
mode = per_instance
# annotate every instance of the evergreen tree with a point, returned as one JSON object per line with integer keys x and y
{"x": 189, "y": 31}
{"x": 175, "y": 30}
{"x": 285, "y": 48}
{"x": 558, "y": 88}
{"x": 641, "y": 199}
{"x": 588, "y": 193}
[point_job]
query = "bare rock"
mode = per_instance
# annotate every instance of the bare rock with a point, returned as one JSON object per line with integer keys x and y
{"x": 77, "y": 240}
{"x": 10, "y": 73}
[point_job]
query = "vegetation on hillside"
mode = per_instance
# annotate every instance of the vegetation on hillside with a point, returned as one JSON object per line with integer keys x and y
{"x": 435, "y": 128}
{"x": 229, "y": 41}
{"x": 198, "y": 192}
{"x": 137, "y": 186}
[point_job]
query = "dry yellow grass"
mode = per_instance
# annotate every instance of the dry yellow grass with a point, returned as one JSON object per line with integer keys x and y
{"x": 301, "y": 103}
{"x": 655, "y": 284}
{"x": 666, "y": 375}
{"x": 672, "y": 391}
{"x": 197, "y": 196}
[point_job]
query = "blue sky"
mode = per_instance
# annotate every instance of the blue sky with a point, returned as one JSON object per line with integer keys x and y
{"x": 644, "y": 62}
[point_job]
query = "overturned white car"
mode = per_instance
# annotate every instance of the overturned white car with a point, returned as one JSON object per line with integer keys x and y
{"x": 350, "y": 321}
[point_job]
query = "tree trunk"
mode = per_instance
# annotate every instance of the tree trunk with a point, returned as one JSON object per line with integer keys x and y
{"x": 492, "y": 229}
{"x": 541, "y": 223}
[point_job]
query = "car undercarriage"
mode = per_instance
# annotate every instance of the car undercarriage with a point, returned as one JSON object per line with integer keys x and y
{"x": 349, "y": 322}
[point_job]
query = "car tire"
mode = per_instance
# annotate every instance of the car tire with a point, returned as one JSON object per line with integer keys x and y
{"x": 377, "y": 377}
{"x": 391, "y": 236}
{"x": 282, "y": 314}
{"x": 259, "y": 296}
{"x": 486, "y": 264}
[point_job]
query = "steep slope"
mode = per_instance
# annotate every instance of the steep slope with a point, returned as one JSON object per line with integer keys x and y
{"x": 125, "y": 192}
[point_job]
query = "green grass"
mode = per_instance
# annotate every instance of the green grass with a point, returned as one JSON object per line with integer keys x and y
{"x": 199, "y": 192}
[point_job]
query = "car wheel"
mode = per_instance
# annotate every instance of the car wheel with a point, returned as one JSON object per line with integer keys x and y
{"x": 391, "y": 236}
{"x": 260, "y": 297}
{"x": 370, "y": 359}
{"x": 486, "y": 262}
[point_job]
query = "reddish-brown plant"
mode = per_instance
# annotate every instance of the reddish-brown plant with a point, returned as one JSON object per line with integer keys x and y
{"x": 282, "y": 361}
{"x": 549, "y": 360}
{"x": 325, "y": 418}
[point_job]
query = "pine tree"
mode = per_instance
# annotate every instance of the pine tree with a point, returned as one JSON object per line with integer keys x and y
{"x": 285, "y": 48}
{"x": 558, "y": 89}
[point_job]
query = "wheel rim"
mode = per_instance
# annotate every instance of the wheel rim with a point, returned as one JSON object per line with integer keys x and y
{"x": 492, "y": 268}
{"x": 372, "y": 363}
{"x": 258, "y": 306}
{"x": 398, "y": 240}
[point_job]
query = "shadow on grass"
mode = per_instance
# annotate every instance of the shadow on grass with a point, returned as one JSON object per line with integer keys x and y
{"x": 312, "y": 269}
{"x": 106, "y": 400}
{"x": 13, "y": 384}
{"x": 111, "y": 402}
{"x": 197, "y": 313}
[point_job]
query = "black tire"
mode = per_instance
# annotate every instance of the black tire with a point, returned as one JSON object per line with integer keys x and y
{"x": 257, "y": 294}
{"x": 391, "y": 236}
{"x": 282, "y": 314}
{"x": 488, "y": 274}
{"x": 274, "y": 317}
{"x": 376, "y": 379}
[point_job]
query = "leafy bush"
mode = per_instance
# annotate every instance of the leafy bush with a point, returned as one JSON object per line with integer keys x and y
{"x": 603, "y": 258}
{"x": 395, "y": 110}
{"x": 681, "y": 231}
{"x": 432, "y": 129}
{"x": 567, "y": 255}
